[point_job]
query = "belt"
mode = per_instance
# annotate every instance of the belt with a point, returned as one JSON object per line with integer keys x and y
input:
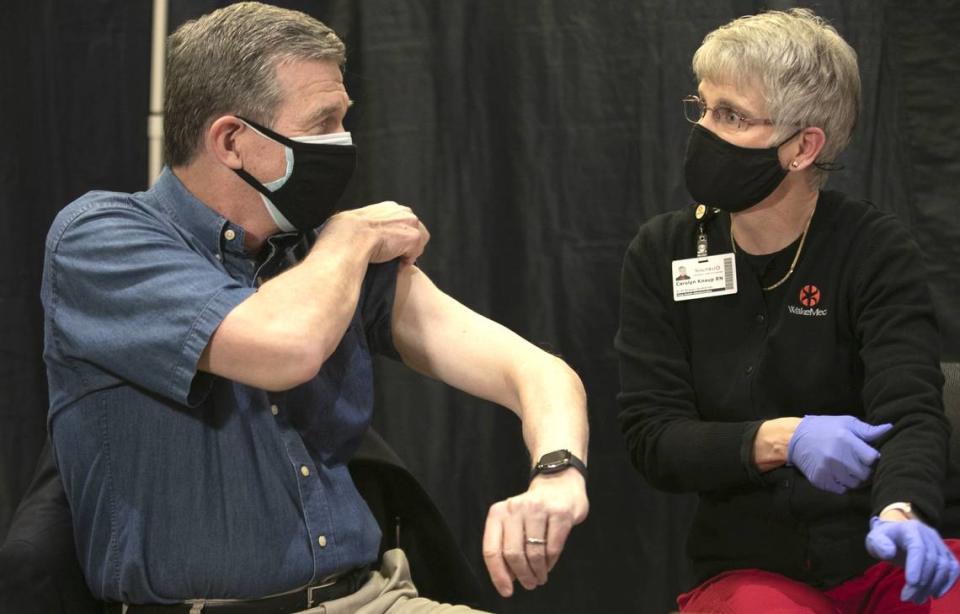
{"x": 294, "y": 601}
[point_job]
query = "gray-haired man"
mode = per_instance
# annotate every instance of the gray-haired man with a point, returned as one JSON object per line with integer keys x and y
{"x": 206, "y": 396}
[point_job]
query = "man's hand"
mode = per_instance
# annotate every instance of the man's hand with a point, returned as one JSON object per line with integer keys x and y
{"x": 929, "y": 566}
{"x": 525, "y": 534}
{"x": 392, "y": 231}
{"x": 833, "y": 451}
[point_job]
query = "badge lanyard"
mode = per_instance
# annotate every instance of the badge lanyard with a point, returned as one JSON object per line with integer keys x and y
{"x": 701, "y": 234}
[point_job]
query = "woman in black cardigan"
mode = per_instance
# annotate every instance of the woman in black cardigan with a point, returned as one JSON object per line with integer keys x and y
{"x": 792, "y": 380}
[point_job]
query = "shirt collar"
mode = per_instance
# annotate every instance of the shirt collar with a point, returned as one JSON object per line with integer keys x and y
{"x": 194, "y": 217}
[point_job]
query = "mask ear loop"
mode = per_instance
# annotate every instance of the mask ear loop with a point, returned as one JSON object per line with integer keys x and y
{"x": 267, "y": 132}
{"x": 793, "y": 164}
{"x": 823, "y": 166}
{"x": 266, "y": 190}
{"x": 787, "y": 140}
{"x": 829, "y": 166}
{"x": 271, "y": 186}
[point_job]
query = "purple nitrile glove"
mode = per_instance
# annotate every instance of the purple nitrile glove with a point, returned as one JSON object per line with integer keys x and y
{"x": 930, "y": 568}
{"x": 832, "y": 451}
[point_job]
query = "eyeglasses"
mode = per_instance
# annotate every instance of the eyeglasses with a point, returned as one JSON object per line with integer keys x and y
{"x": 694, "y": 109}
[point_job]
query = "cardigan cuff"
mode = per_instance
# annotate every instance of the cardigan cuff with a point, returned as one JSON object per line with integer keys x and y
{"x": 746, "y": 452}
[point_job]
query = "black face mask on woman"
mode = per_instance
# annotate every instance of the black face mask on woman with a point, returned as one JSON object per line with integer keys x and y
{"x": 723, "y": 175}
{"x": 318, "y": 170}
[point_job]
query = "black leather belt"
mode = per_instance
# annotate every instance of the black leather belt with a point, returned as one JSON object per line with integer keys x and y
{"x": 295, "y": 601}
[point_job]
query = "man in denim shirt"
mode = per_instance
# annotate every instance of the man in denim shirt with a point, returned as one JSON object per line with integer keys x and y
{"x": 206, "y": 394}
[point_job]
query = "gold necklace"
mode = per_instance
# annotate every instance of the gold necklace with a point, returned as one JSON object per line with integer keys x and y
{"x": 796, "y": 256}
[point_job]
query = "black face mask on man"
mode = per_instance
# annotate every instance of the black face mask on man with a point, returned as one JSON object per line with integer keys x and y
{"x": 723, "y": 175}
{"x": 318, "y": 170}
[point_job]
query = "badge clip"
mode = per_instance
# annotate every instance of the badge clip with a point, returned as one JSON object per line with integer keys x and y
{"x": 701, "y": 242}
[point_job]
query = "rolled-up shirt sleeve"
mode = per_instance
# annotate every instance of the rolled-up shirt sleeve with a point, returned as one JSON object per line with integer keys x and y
{"x": 376, "y": 307}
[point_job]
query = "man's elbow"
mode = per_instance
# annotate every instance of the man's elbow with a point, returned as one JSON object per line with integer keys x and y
{"x": 542, "y": 364}
{"x": 283, "y": 380}
{"x": 564, "y": 372}
{"x": 297, "y": 362}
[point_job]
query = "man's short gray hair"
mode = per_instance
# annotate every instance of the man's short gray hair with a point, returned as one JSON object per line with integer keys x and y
{"x": 225, "y": 62}
{"x": 806, "y": 73}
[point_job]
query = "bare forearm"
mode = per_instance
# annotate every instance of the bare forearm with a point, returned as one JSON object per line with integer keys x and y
{"x": 553, "y": 407}
{"x": 772, "y": 441}
{"x": 281, "y": 336}
{"x": 285, "y": 331}
{"x": 441, "y": 338}
{"x": 551, "y": 402}
{"x": 314, "y": 302}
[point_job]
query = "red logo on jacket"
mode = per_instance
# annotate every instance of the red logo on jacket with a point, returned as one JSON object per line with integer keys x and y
{"x": 809, "y": 295}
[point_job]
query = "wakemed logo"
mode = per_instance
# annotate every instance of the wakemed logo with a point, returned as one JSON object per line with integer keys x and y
{"x": 809, "y": 298}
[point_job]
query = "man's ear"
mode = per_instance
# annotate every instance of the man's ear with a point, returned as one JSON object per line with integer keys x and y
{"x": 221, "y": 140}
{"x": 809, "y": 144}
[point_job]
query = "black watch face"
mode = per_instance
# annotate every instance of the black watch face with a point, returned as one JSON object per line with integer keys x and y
{"x": 554, "y": 460}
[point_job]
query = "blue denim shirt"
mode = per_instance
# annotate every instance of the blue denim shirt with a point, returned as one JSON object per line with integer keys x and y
{"x": 183, "y": 484}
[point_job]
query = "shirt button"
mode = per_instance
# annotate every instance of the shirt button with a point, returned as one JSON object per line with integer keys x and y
{"x": 304, "y": 470}
{"x": 760, "y": 318}
{"x": 218, "y": 256}
{"x": 229, "y": 235}
{"x": 748, "y": 370}
{"x": 322, "y": 540}
{"x": 274, "y": 410}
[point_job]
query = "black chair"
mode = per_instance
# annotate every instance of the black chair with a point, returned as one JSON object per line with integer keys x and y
{"x": 40, "y": 573}
{"x": 409, "y": 519}
{"x": 950, "y": 527}
{"x": 951, "y": 404}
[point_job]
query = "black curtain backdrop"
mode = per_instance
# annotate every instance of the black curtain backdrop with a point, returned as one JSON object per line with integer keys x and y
{"x": 532, "y": 137}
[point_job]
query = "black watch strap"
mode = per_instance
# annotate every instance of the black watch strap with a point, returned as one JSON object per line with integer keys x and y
{"x": 556, "y": 461}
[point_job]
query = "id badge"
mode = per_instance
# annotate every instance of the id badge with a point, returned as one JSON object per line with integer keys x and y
{"x": 695, "y": 278}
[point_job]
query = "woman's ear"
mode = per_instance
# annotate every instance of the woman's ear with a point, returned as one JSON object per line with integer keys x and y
{"x": 809, "y": 143}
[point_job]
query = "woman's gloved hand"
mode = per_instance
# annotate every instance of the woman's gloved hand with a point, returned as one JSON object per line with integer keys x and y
{"x": 833, "y": 452}
{"x": 930, "y": 569}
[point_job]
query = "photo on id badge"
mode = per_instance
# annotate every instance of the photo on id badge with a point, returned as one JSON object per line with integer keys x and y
{"x": 695, "y": 278}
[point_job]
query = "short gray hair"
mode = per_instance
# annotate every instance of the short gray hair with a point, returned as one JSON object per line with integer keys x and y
{"x": 225, "y": 62}
{"x": 806, "y": 73}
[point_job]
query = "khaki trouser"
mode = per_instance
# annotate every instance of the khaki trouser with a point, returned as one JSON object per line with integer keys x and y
{"x": 388, "y": 591}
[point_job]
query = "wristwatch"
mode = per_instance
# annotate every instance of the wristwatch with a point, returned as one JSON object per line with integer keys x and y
{"x": 558, "y": 460}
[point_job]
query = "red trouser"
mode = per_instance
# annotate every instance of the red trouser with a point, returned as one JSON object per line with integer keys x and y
{"x": 749, "y": 591}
